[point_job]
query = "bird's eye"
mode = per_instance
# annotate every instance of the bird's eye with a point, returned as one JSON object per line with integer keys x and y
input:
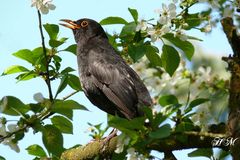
{"x": 84, "y": 24}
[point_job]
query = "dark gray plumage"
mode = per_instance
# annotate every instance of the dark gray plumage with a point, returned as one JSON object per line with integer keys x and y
{"x": 107, "y": 81}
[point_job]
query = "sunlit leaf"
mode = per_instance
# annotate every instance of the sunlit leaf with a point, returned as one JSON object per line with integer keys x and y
{"x": 13, "y": 106}
{"x": 52, "y": 30}
{"x": 14, "y": 69}
{"x": 134, "y": 14}
{"x": 55, "y": 43}
{"x": 36, "y": 150}
{"x": 26, "y": 55}
{"x": 113, "y": 20}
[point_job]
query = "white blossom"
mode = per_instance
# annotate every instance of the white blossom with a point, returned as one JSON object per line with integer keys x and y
{"x": 3, "y": 104}
{"x": 3, "y": 131}
{"x": 123, "y": 140}
{"x": 141, "y": 26}
{"x": 43, "y": 5}
{"x": 202, "y": 117}
{"x": 167, "y": 13}
{"x": 156, "y": 34}
{"x": 207, "y": 28}
{"x": 228, "y": 11}
{"x": 38, "y": 97}
{"x": 213, "y": 3}
{"x": 14, "y": 146}
{"x": 180, "y": 34}
{"x": 133, "y": 155}
{"x": 12, "y": 127}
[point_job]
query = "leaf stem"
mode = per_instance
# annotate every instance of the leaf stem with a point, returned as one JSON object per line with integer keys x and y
{"x": 47, "y": 78}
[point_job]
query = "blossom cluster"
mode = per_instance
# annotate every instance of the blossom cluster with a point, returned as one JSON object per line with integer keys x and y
{"x": 43, "y": 5}
{"x": 5, "y": 131}
{"x": 197, "y": 82}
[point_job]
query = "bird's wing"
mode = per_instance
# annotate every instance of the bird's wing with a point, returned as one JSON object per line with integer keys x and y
{"x": 110, "y": 75}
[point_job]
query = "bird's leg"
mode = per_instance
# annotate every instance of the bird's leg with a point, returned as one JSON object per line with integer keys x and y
{"x": 109, "y": 137}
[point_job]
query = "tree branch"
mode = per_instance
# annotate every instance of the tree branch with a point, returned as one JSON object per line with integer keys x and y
{"x": 47, "y": 78}
{"x": 91, "y": 150}
{"x": 234, "y": 90}
{"x": 166, "y": 145}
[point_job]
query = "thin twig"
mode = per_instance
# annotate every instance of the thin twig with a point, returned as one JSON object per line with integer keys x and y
{"x": 71, "y": 94}
{"x": 47, "y": 78}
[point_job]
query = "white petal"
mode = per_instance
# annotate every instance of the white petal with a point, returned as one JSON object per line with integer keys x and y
{"x": 51, "y": 6}
{"x": 164, "y": 6}
{"x": 3, "y": 131}
{"x": 3, "y": 104}
{"x": 12, "y": 127}
{"x": 172, "y": 7}
{"x": 38, "y": 96}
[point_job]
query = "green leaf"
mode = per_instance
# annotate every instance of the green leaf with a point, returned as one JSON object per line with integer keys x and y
{"x": 25, "y": 54}
{"x": 52, "y": 30}
{"x": 192, "y": 20}
{"x": 36, "y": 150}
{"x": 53, "y": 140}
{"x": 162, "y": 132}
{"x": 128, "y": 127}
{"x": 113, "y": 20}
{"x": 167, "y": 100}
{"x": 13, "y": 106}
{"x": 14, "y": 69}
{"x": 72, "y": 48}
{"x": 55, "y": 43}
{"x": 67, "y": 70}
{"x": 66, "y": 107}
{"x": 134, "y": 14}
{"x": 62, "y": 85}
{"x": 203, "y": 152}
{"x": 184, "y": 126}
{"x": 158, "y": 119}
{"x": 185, "y": 46}
{"x": 128, "y": 29}
{"x": 63, "y": 124}
{"x": 74, "y": 83}
{"x": 195, "y": 103}
{"x": 137, "y": 51}
{"x": 170, "y": 59}
{"x": 27, "y": 76}
{"x": 136, "y": 123}
{"x": 153, "y": 56}
{"x": 2, "y": 158}
{"x": 29, "y": 56}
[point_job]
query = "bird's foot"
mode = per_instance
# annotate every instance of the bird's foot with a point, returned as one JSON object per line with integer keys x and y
{"x": 107, "y": 139}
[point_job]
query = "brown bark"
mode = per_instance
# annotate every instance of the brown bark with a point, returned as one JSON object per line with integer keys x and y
{"x": 234, "y": 90}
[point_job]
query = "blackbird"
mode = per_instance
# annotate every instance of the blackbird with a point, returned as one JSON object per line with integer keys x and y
{"x": 106, "y": 79}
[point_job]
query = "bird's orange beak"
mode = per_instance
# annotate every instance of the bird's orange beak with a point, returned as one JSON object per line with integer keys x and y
{"x": 70, "y": 24}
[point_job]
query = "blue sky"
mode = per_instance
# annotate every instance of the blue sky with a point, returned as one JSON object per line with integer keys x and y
{"x": 19, "y": 30}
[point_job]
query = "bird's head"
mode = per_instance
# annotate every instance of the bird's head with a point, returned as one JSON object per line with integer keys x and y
{"x": 84, "y": 29}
